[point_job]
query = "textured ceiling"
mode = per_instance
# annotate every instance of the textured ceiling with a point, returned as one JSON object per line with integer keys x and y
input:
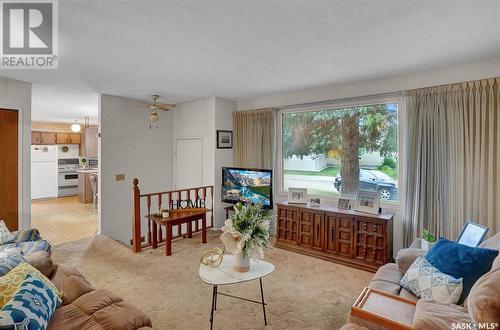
{"x": 184, "y": 50}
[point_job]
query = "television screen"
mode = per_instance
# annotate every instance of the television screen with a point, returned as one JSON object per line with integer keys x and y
{"x": 247, "y": 186}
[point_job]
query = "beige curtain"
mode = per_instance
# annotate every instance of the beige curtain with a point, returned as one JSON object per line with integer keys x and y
{"x": 253, "y": 138}
{"x": 453, "y": 158}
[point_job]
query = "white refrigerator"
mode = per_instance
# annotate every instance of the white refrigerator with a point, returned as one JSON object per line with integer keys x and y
{"x": 44, "y": 171}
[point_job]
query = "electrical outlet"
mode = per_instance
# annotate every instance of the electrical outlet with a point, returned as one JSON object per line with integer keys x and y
{"x": 120, "y": 177}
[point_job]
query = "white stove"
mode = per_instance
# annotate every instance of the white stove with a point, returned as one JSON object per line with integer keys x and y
{"x": 67, "y": 176}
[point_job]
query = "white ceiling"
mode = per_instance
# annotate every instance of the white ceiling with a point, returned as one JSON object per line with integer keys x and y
{"x": 184, "y": 50}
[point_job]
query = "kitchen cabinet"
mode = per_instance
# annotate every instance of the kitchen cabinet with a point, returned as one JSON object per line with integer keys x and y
{"x": 35, "y": 137}
{"x": 89, "y": 142}
{"x": 48, "y": 138}
{"x": 68, "y": 138}
{"x": 85, "y": 193}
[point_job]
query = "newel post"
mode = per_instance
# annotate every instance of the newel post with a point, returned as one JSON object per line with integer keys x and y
{"x": 136, "y": 218}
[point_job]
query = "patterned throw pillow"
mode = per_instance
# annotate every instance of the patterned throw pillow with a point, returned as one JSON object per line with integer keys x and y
{"x": 10, "y": 283}
{"x": 5, "y": 235}
{"x": 427, "y": 282}
{"x": 32, "y": 305}
{"x": 34, "y": 246}
{"x": 9, "y": 258}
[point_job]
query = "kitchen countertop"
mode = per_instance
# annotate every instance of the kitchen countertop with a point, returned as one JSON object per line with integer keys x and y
{"x": 87, "y": 170}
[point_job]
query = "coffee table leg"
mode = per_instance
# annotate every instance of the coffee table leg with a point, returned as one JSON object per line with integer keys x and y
{"x": 263, "y": 303}
{"x": 168, "y": 241}
{"x": 214, "y": 299}
{"x": 204, "y": 228}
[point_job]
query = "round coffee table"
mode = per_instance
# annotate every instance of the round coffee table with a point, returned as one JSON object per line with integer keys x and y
{"x": 225, "y": 275}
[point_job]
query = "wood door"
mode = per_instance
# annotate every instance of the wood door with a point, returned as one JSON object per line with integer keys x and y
{"x": 35, "y": 137}
{"x": 62, "y": 138}
{"x": 287, "y": 225}
{"x": 48, "y": 138}
{"x": 344, "y": 239}
{"x": 330, "y": 228}
{"x": 75, "y": 138}
{"x": 311, "y": 229}
{"x": 370, "y": 240}
{"x": 9, "y": 197}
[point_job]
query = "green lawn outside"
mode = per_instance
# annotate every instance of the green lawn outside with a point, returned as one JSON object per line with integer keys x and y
{"x": 334, "y": 170}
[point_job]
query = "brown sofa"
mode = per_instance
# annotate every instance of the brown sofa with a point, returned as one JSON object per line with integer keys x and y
{"x": 84, "y": 307}
{"x": 482, "y": 304}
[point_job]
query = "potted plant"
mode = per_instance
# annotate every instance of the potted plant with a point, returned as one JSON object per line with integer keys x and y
{"x": 428, "y": 240}
{"x": 246, "y": 234}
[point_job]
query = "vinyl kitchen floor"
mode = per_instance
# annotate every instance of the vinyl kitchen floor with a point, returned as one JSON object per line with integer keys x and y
{"x": 63, "y": 219}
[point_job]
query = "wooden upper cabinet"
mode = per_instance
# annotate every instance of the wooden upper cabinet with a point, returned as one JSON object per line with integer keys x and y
{"x": 75, "y": 138}
{"x": 47, "y": 137}
{"x": 62, "y": 138}
{"x": 35, "y": 137}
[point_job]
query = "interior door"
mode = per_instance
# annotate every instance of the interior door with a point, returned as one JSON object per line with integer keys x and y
{"x": 9, "y": 197}
{"x": 188, "y": 163}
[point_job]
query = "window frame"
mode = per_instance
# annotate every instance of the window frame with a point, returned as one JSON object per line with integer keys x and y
{"x": 333, "y": 106}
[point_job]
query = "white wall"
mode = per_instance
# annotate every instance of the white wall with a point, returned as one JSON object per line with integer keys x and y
{"x": 439, "y": 76}
{"x": 202, "y": 118}
{"x": 196, "y": 119}
{"x": 127, "y": 146}
{"x": 16, "y": 94}
{"x": 223, "y": 157}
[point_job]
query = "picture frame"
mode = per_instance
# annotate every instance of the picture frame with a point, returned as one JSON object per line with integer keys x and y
{"x": 315, "y": 201}
{"x": 472, "y": 234}
{"x": 297, "y": 195}
{"x": 344, "y": 203}
{"x": 368, "y": 202}
{"x": 224, "y": 139}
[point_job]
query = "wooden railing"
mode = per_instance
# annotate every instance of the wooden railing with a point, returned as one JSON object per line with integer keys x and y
{"x": 174, "y": 199}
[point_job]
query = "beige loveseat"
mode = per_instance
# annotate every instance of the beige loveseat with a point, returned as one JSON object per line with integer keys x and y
{"x": 84, "y": 307}
{"x": 481, "y": 306}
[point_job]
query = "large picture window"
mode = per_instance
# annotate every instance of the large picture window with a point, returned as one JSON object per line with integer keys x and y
{"x": 340, "y": 151}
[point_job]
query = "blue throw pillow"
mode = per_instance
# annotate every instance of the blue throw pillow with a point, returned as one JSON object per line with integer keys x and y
{"x": 32, "y": 305}
{"x": 461, "y": 261}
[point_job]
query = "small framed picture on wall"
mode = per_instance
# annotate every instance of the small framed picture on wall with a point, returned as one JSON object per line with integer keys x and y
{"x": 224, "y": 139}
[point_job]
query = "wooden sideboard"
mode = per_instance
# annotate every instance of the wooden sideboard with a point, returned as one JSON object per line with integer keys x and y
{"x": 356, "y": 239}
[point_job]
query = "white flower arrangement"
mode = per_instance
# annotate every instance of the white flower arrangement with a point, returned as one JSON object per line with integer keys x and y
{"x": 247, "y": 231}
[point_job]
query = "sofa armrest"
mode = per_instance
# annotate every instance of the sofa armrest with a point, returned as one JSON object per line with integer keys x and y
{"x": 416, "y": 244}
{"x": 406, "y": 257}
{"x": 25, "y": 235}
{"x": 430, "y": 314}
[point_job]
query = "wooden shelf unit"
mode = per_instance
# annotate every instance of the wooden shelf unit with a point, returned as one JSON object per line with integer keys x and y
{"x": 352, "y": 238}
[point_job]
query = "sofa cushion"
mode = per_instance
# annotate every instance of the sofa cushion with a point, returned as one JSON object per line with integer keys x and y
{"x": 406, "y": 257}
{"x": 42, "y": 261}
{"x": 28, "y": 234}
{"x": 99, "y": 309}
{"x": 33, "y": 304}
{"x": 461, "y": 261}
{"x": 405, "y": 293}
{"x": 388, "y": 287}
{"x": 389, "y": 273}
{"x": 9, "y": 259}
{"x": 70, "y": 282}
{"x": 33, "y": 246}
{"x": 483, "y": 302}
{"x": 431, "y": 314}
{"x": 11, "y": 282}
{"x": 5, "y": 235}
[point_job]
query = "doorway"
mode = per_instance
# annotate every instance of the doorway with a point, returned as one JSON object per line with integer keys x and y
{"x": 9, "y": 168}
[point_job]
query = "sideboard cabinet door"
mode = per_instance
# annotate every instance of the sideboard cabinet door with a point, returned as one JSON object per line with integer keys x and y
{"x": 370, "y": 241}
{"x": 330, "y": 232}
{"x": 288, "y": 225}
{"x": 344, "y": 237}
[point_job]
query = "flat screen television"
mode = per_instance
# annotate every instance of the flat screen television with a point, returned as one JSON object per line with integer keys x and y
{"x": 247, "y": 185}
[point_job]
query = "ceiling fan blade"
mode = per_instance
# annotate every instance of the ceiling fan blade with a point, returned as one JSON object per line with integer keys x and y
{"x": 166, "y": 106}
{"x": 143, "y": 106}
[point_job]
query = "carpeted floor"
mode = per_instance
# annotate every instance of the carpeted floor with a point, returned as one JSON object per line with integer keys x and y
{"x": 302, "y": 293}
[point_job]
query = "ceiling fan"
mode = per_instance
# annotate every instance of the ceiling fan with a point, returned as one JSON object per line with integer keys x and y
{"x": 154, "y": 107}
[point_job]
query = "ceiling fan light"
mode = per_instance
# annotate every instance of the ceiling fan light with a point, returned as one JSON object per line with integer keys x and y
{"x": 76, "y": 127}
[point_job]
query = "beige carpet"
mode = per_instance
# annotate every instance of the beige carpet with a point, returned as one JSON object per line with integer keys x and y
{"x": 302, "y": 293}
{"x": 64, "y": 219}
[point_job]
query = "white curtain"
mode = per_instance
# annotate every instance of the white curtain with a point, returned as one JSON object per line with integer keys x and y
{"x": 453, "y": 158}
{"x": 253, "y": 138}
